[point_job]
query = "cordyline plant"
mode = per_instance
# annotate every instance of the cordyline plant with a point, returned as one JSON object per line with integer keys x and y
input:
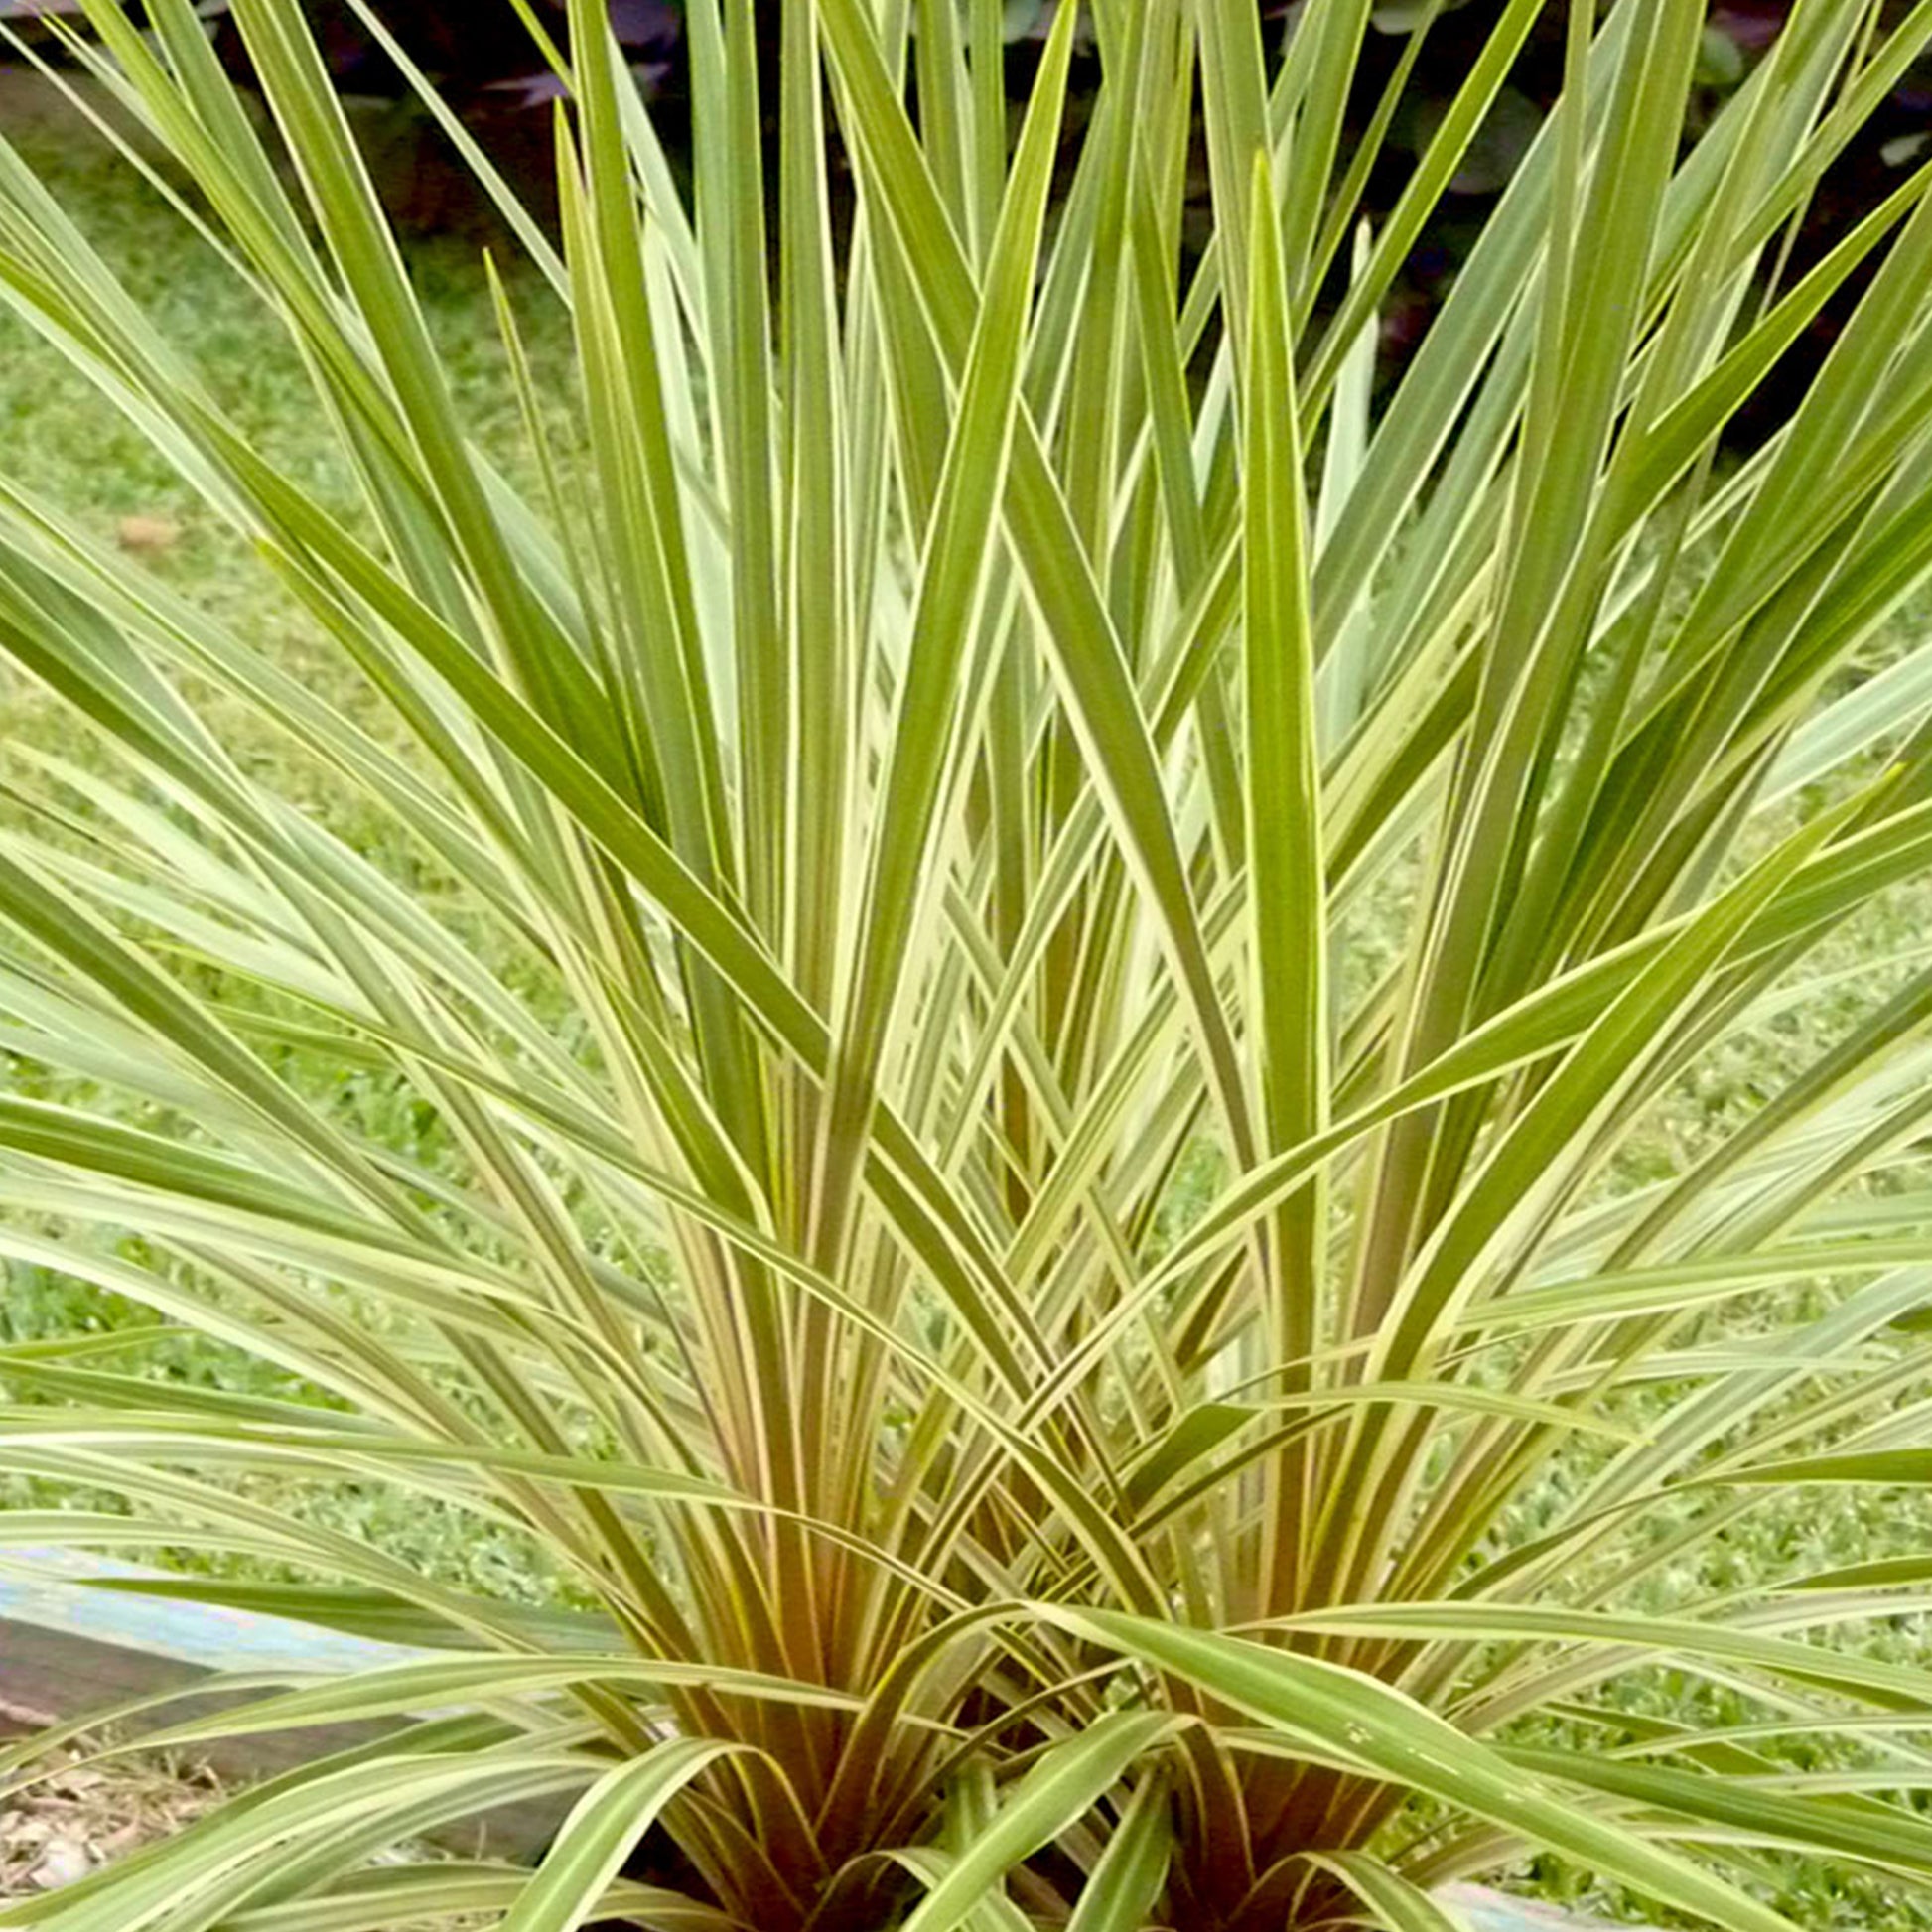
{"x": 967, "y": 730}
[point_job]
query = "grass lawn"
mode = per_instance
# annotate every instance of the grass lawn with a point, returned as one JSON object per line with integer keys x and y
{"x": 59, "y": 441}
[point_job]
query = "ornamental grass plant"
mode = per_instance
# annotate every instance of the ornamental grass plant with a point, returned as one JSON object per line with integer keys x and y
{"x": 1039, "y": 933}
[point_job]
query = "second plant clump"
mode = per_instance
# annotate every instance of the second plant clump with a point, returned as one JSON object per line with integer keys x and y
{"x": 1042, "y": 950}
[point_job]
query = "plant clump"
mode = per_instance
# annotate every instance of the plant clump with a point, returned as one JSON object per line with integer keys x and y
{"x": 1009, "y": 1015}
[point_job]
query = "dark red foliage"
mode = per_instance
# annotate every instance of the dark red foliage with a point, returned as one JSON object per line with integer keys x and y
{"x": 482, "y": 61}
{"x": 470, "y": 47}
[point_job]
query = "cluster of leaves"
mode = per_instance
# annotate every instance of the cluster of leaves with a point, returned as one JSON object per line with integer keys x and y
{"x": 916, "y": 779}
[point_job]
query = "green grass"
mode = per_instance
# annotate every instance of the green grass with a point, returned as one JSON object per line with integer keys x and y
{"x": 58, "y": 441}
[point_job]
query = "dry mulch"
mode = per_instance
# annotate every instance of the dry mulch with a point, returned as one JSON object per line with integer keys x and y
{"x": 78, "y": 1817}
